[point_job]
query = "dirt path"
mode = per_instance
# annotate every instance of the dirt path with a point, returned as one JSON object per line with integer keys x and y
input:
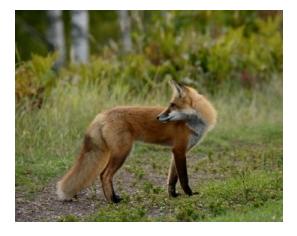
{"x": 46, "y": 207}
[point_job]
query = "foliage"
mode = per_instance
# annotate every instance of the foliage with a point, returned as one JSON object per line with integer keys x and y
{"x": 34, "y": 79}
{"x": 231, "y": 55}
{"x": 236, "y": 47}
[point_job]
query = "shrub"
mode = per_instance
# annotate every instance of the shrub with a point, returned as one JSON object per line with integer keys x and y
{"x": 248, "y": 53}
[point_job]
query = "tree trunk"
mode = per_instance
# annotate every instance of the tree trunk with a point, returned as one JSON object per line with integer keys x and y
{"x": 125, "y": 26}
{"x": 55, "y": 36}
{"x": 79, "y": 35}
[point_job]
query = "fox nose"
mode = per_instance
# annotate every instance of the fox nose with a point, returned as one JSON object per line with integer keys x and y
{"x": 158, "y": 117}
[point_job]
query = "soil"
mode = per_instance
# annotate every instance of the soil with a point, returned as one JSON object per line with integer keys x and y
{"x": 46, "y": 207}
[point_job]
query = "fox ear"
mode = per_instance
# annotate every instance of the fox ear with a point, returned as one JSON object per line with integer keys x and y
{"x": 178, "y": 88}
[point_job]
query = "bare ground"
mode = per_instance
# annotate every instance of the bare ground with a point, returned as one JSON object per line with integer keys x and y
{"x": 46, "y": 207}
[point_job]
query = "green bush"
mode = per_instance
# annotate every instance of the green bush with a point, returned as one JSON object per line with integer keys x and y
{"x": 34, "y": 79}
{"x": 246, "y": 51}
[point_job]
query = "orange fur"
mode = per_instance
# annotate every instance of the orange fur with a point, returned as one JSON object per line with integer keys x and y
{"x": 110, "y": 137}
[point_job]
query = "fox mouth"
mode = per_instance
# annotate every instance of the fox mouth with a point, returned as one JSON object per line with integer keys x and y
{"x": 163, "y": 118}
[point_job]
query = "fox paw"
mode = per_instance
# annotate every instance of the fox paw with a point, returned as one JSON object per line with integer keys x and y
{"x": 173, "y": 193}
{"x": 116, "y": 198}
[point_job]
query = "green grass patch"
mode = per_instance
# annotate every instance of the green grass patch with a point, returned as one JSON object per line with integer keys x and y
{"x": 237, "y": 199}
{"x": 271, "y": 211}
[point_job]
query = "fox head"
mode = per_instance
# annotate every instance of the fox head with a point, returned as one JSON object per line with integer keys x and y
{"x": 181, "y": 104}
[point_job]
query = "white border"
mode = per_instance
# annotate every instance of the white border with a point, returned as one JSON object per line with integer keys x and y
{"x": 8, "y": 117}
{"x": 149, "y": 5}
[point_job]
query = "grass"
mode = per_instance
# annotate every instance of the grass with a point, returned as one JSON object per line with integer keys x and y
{"x": 271, "y": 211}
{"x": 237, "y": 169}
{"x": 228, "y": 199}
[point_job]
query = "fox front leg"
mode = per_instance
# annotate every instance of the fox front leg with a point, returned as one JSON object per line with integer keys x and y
{"x": 172, "y": 179}
{"x": 181, "y": 168}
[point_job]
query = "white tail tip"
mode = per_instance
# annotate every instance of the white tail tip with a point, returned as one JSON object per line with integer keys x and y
{"x": 60, "y": 193}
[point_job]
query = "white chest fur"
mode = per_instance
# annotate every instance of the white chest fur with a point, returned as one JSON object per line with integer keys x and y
{"x": 198, "y": 128}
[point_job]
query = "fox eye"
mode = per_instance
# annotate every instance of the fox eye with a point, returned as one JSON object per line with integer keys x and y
{"x": 172, "y": 104}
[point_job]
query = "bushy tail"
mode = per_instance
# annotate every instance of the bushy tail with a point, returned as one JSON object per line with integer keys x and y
{"x": 88, "y": 165}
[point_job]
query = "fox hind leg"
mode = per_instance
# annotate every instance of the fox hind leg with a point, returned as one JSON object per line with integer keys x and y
{"x": 116, "y": 160}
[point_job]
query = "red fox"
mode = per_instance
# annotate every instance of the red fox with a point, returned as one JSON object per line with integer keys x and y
{"x": 109, "y": 140}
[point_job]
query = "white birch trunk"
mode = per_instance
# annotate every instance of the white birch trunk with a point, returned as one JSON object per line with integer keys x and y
{"x": 55, "y": 36}
{"x": 125, "y": 26}
{"x": 79, "y": 35}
